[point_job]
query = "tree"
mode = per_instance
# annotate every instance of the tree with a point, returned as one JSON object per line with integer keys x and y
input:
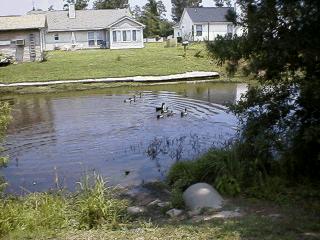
{"x": 79, "y": 4}
{"x": 179, "y": 5}
{"x": 280, "y": 118}
{"x": 50, "y": 8}
{"x": 153, "y": 16}
{"x": 222, "y": 3}
{"x": 110, "y": 4}
{"x": 137, "y": 12}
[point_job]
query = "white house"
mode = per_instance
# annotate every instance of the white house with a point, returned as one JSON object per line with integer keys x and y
{"x": 110, "y": 28}
{"x": 203, "y": 23}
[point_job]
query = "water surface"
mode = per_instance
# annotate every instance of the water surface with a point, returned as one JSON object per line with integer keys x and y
{"x": 61, "y": 136}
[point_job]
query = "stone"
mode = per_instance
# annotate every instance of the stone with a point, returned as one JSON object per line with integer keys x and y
{"x": 223, "y": 214}
{"x": 163, "y": 204}
{"x": 202, "y": 195}
{"x": 174, "y": 212}
{"x": 154, "y": 202}
{"x": 195, "y": 212}
{"x": 134, "y": 210}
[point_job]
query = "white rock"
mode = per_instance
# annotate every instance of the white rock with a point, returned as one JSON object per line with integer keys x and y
{"x": 135, "y": 210}
{"x": 224, "y": 215}
{"x": 174, "y": 212}
{"x": 202, "y": 195}
{"x": 163, "y": 204}
{"x": 194, "y": 212}
{"x": 154, "y": 202}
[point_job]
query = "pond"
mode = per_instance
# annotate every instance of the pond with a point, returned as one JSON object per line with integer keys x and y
{"x": 54, "y": 139}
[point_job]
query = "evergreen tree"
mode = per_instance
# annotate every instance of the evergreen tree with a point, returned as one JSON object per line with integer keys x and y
{"x": 79, "y": 4}
{"x": 110, "y": 4}
{"x": 179, "y": 5}
{"x": 280, "y": 116}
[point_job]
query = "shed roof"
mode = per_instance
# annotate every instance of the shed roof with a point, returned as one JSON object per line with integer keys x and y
{"x": 85, "y": 19}
{"x": 208, "y": 14}
{"x": 22, "y": 22}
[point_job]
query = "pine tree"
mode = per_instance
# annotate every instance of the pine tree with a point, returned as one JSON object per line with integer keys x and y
{"x": 110, "y": 4}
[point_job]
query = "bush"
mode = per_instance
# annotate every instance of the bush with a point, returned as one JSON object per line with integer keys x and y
{"x": 218, "y": 167}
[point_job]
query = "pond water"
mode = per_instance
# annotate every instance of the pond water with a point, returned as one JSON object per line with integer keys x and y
{"x": 63, "y": 136}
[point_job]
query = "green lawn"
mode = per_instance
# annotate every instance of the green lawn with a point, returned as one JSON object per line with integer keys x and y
{"x": 154, "y": 59}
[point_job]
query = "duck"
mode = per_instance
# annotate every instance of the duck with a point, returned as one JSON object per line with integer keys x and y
{"x": 130, "y": 99}
{"x": 184, "y": 113}
{"x": 161, "y": 108}
{"x": 165, "y": 110}
{"x": 160, "y": 116}
{"x": 170, "y": 114}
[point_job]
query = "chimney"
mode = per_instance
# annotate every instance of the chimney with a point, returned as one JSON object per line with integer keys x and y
{"x": 72, "y": 11}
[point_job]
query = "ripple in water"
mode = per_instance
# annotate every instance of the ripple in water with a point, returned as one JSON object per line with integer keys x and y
{"x": 97, "y": 131}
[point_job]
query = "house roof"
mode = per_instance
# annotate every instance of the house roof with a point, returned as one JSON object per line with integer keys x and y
{"x": 85, "y": 19}
{"x": 22, "y": 22}
{"x": 208, "y": 14}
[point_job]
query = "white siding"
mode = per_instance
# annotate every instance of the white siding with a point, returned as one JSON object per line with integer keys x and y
{"x": 186, "y": 27}
{"x": 126, "y": 25}
{"x": 65, "y": 39}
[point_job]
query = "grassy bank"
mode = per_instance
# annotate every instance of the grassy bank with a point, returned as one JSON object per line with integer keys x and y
{"x": 154, "y": 59}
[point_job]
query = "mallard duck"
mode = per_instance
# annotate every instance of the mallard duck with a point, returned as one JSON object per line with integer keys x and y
{"x": 160, "y": 108}
{"x": 184, "y": 113}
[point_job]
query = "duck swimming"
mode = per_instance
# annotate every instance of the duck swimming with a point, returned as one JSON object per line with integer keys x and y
{"x": 184, "y": 113}
{"x": 161, "y": 108}
{"x": 170, "y": 114}
{"x": 130, "y": 99}
{"x": 161, "y": 115}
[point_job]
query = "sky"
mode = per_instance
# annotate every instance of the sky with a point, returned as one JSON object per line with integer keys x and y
{"x": 20, "y": 7}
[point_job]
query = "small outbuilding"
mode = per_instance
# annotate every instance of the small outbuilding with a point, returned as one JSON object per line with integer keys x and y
{"x": 23, "y": 37}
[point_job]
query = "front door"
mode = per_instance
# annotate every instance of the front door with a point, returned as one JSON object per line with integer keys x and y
{"x": 19, "y": 53}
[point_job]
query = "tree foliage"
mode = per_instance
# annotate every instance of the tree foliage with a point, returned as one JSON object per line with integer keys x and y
{"x": 110, "y": 4}
{"x": 79, "y": 4}
{"x": 281, "y": 116}
{"x": 152, "y": 16}
{"x": 179, "y": 5}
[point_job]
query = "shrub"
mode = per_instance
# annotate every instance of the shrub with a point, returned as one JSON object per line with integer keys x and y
{"x": 218, "y": 167}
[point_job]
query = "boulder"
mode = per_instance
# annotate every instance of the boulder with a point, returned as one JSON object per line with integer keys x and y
{"x": 135, "y": 210}
{"x": 202, "y": 195}
{"x": 174, "y": 212}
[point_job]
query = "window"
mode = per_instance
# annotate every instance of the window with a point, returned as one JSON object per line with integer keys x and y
{"x": 138, "y": 36}
{"x": 91, "y": 41}
{"x": 134, "y": 35}
{"x": 56, "y": 37}
{"x": 114, "y": 36}
{"x": 124, "y": 36}
{"x": 199, "y": 30}
{"x": 100, "y": 38}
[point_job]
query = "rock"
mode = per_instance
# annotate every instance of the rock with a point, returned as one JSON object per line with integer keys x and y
{"x": 163, "y": 204}
{"x": 202, "y": 195}
{"x": 194, "y": 212}
{"x": 224, "y": 215}
{"x": 135, "y": 210}
{"x": 174, "y": 212}
{"x": 154, "y": 202}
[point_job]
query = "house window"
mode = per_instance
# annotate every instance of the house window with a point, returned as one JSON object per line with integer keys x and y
{"x": 138, "y": 36}
{"x": 56, "y": 37}
{"x": 199, "y": 30}
{"x": 124, "y": 36}
{"x": 114, "y": 36}
{"x": 100, "y": 38}
{"x": 91, "y": 41}
{"x": 134, "y": 35}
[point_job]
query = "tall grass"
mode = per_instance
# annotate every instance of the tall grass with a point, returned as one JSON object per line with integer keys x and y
{"x": 92, "y": 205}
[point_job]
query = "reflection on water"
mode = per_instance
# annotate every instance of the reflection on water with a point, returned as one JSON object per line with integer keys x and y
{"x": 68, "y": 134}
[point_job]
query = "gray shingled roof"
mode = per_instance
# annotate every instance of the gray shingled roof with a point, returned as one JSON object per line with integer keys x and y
{"x": 85, "y": 19}
{"x": 22, "y": 22}
{"x": 208, "y": 14}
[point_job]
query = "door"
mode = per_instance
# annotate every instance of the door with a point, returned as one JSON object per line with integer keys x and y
{"x": 19, "y": 53}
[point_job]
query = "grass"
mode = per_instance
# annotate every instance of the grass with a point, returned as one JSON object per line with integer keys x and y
{"x": 154, "y": 59}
